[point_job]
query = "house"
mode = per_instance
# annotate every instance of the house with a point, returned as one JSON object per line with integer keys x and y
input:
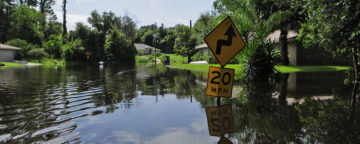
{"x": 203, "y": 49}
{"x": 8, "y": 53}
{"x": 145, "y": 49}
{"x": 298, "y": 55}
{"x": 292, "y": 44}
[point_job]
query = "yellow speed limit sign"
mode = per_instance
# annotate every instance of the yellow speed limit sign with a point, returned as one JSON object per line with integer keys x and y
{"x": 220, "y": 82}
{"x": 220, "y": 120}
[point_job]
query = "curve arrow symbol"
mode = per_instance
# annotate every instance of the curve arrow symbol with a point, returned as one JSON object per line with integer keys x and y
{"x": 230, "y": 33}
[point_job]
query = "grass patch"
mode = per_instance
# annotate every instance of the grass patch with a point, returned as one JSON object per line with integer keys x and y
{"x": 48, "y": 62}
{"x": 291, "y": 69}
{"x": 53, "y": 62}
{"x": 205, "y": 68}
{"x": 10, "y": 65}
{"x": 281, "y": 69}
{"x": 175, "y": 59}
{"x": 141, "y": 59}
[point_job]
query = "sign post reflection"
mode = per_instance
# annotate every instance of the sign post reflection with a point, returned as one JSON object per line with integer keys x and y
{"x": 220, "y": 121}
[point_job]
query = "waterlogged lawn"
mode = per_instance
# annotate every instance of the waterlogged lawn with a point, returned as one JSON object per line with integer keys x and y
{"x": 205, "y": 68}
{"x": 282, "y": 69}
{"x": 10, "y": 65}
{"x": 290, "y": 69}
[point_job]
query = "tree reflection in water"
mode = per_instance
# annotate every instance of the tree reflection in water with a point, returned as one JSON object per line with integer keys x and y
{"x": 49, "y": 106}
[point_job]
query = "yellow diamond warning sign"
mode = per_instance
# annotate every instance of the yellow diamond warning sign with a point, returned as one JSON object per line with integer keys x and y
{"x": 220, "y": 82}
{"x": 225, "y": 41}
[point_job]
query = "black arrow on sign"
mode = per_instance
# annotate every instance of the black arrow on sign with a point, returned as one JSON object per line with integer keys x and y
{"x": 230, "y": 33}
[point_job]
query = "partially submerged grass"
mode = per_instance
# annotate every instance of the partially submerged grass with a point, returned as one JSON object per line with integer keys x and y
{"x": 281, "y": 69}
{"x": 205, "y": 68}
{"x": 10, "y": 65}
{"x": 48, "y": 62}
{"x": 291, "y": 69}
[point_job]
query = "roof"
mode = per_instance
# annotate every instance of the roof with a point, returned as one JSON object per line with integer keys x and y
{"x": 140, "y": 46}
{"x": 275, "y": 36}
{"x": 7, "y": 47}
{"x": 202, "y": 46}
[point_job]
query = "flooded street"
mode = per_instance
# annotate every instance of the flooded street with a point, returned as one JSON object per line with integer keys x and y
{"x": 141, "y": 104}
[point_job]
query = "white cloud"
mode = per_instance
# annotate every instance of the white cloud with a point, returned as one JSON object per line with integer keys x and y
{"x": 182, "y": 136}
{"x": 72, "y": 19}
{"x": 121, "y": 137}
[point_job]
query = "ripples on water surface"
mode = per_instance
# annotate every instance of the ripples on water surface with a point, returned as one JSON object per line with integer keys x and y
{"x": 127, "y": 104}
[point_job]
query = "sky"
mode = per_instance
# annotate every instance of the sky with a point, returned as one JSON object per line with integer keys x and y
{"x": 143, "y": 12}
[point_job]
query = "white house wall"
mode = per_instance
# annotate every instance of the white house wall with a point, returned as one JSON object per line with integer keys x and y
{"x": 7, "y": 55}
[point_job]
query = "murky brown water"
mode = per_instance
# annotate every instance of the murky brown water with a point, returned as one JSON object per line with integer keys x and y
{"x": 135, "y": 105}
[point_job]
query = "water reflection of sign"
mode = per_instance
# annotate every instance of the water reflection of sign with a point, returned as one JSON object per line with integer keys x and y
{"x": 225, "y": 41}
{"x": 220, "y": 82}
{"x": 220, "y": 120}
{"x": 88, "y": 54}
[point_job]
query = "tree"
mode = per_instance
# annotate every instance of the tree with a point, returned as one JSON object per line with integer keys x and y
{"x": 52, "y": 28}
{"x": 283, "y": 15}
{"x": 257, "y": 56}
{"x": 73, "y": 50}
{"x": 37, "y": 53}
{"x": 272, "y": 14}
{"x": 148, "y": 38}
{"x": 25, "y": 46}
{"x": 143, "y": 29}
{"x": 104, "y": 24}
{"x": 53, "y": 46}
{"x": 185, "y": 39}
{"x": 45, "y": 6}
{"x": 204, "y": 25}
{"x": 128, "y": 27}
{"x": 45, "y": 9}
{"x": 335, "y": 26}
{"x": 32, "y": 3}
{"x": 168, "y": 41}
{"x": 4, "y": 22}
{"x": 25, "y": 24}
{"x": 64, "y": 18}
{"x": 118, "y": 47}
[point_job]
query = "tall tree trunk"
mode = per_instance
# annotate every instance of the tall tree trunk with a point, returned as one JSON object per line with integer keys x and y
{"x": 42, "y": 10}
{"x": 284, "y": 45}
{"x": 21, "y": 1}
{"x": 189, "y": 59}
{"x": 42, "y": 6}
{"x": 283, "y": 89}
{"x": 64, "y": 19}
{"x": 356, "y": 70}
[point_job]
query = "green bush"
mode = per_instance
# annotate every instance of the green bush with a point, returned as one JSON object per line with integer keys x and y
{"x": 25, "y": 47}
{"x": 37, "y": 53}
{"x": 142, "y": 59}
{"x": 118, "y": 47}
{"x": 201, "y": 57}
{"x": 53, "y": 46}
{"x": 73, "y": 50}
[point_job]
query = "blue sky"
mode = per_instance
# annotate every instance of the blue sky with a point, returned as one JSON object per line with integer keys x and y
{"x": 143, "y": 12}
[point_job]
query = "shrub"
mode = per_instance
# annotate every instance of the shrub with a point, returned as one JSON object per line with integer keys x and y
{"x": 73, "y": 50}
{"x": 53, "y": 46}
{"x": 119, "y": 47}
{"x": 37, "y": 53}
{"x": 25, "y": 47}
{"x": 201, "y": 57}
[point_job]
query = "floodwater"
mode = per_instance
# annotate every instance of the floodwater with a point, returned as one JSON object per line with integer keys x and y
{"x": 140, "y": 104}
